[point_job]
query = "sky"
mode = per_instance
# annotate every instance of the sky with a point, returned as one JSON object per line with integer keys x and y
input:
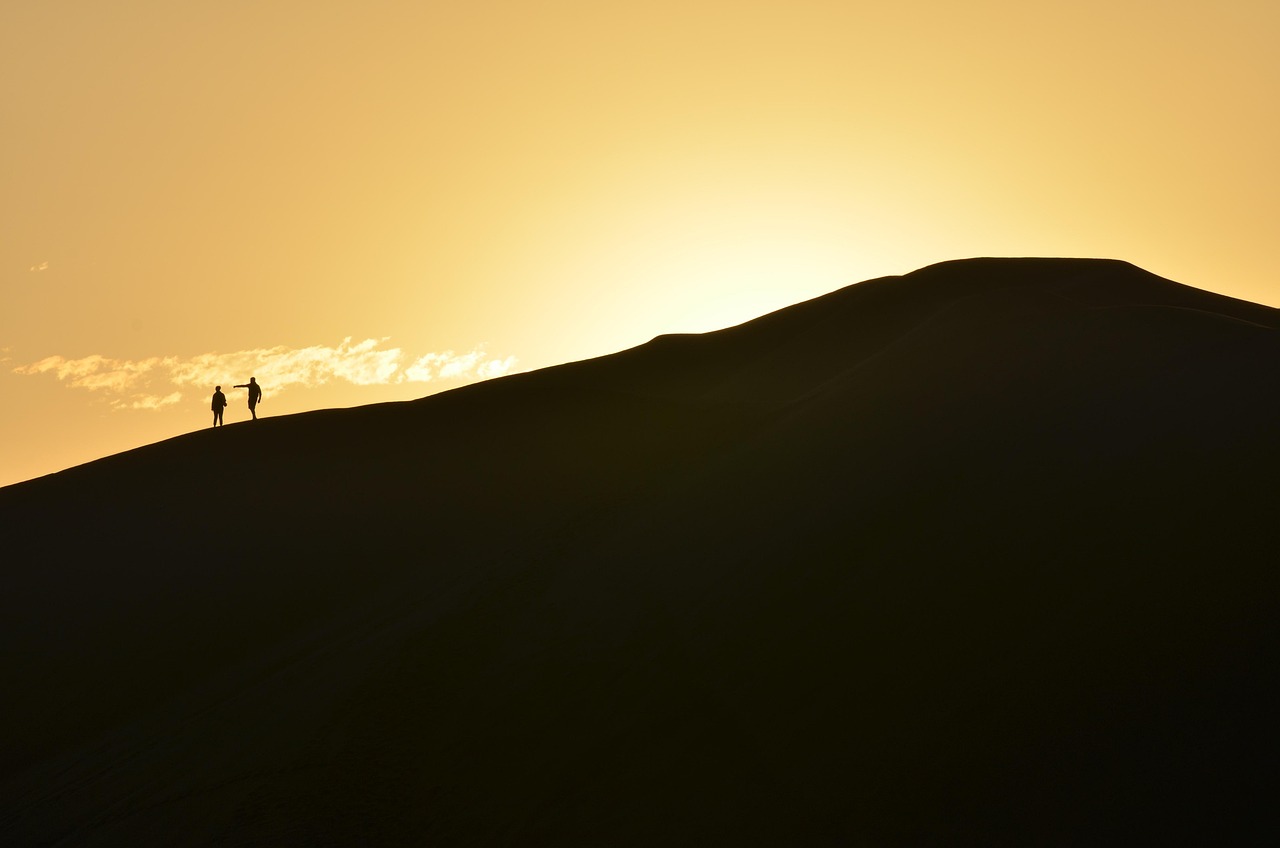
{"x": 359, "y": 202}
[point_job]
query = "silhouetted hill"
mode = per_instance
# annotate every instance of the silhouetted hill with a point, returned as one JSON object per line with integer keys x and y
{"x": 979, "y": 555}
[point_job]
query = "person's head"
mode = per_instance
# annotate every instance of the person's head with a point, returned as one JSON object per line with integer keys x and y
{"x": 217, "y": 388}
{"x": 253, "y": 379}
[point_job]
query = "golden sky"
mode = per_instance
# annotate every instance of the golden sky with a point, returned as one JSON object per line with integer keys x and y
{"x": 377, "y": 200}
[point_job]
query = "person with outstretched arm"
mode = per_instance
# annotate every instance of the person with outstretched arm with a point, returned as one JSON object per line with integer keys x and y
{"x": 255, "y": 395}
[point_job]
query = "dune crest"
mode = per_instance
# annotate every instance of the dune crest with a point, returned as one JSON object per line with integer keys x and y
{"x": 981, "y": 554}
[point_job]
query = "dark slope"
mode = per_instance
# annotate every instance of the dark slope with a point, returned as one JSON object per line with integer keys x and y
{"x": 978, "y": 555}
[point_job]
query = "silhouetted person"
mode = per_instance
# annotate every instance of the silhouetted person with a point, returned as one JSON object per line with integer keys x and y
{"x": 219, "y": 404}
{"x": 255, "y": 395}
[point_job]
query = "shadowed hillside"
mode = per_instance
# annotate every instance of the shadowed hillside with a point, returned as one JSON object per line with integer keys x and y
{"x": 980, "y": 555}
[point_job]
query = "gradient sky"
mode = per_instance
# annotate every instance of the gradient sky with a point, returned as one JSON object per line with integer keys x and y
{"x": 375, "y": 200}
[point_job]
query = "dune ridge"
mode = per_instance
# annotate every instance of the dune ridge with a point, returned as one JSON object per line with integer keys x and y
{"x": 981, "y": 554}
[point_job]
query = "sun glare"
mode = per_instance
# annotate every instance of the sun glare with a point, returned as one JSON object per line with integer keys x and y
{"x": 707, "y": 252}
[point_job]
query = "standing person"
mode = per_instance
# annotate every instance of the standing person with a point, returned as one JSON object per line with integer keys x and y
{"x": 219, "y": 404}
{"x": 255, "y": 395}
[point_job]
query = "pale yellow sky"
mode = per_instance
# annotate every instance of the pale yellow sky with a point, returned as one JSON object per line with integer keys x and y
{"x": 370, "y": 201}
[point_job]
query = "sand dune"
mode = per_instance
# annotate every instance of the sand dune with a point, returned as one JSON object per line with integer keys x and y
{"x": 983, "y": 554}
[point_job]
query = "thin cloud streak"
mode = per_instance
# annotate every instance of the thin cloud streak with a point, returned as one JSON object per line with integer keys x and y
{"x": 157, "y": 382}
{"x": 450, "y": 366}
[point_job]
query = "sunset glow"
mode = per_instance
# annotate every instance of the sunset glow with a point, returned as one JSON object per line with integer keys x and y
{"x": 362, "y": 202}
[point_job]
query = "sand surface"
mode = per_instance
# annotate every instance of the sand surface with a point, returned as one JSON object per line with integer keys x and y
{"x": 980, "y": 555}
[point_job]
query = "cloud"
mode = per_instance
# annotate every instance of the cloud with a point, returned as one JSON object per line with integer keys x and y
{"x": 43, "y": 266}
{"x": 450, "y": 366}
{"x": 150, "y": 401}
{"x": 159, "y": 382}
{"x": 97, "y": 372}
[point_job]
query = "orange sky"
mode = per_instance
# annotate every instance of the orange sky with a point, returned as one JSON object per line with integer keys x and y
{"x": 367, "y": 201}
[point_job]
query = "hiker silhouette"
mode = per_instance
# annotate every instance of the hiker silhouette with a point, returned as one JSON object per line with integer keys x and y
{"x": 255, "y": 395}
{"x": 219, "y": 404}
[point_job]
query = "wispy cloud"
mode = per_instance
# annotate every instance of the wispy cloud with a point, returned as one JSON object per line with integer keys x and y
{"x": 158, "y": 382}
{"x": 43, "y": 266}
{"x": 451, "y": 366}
